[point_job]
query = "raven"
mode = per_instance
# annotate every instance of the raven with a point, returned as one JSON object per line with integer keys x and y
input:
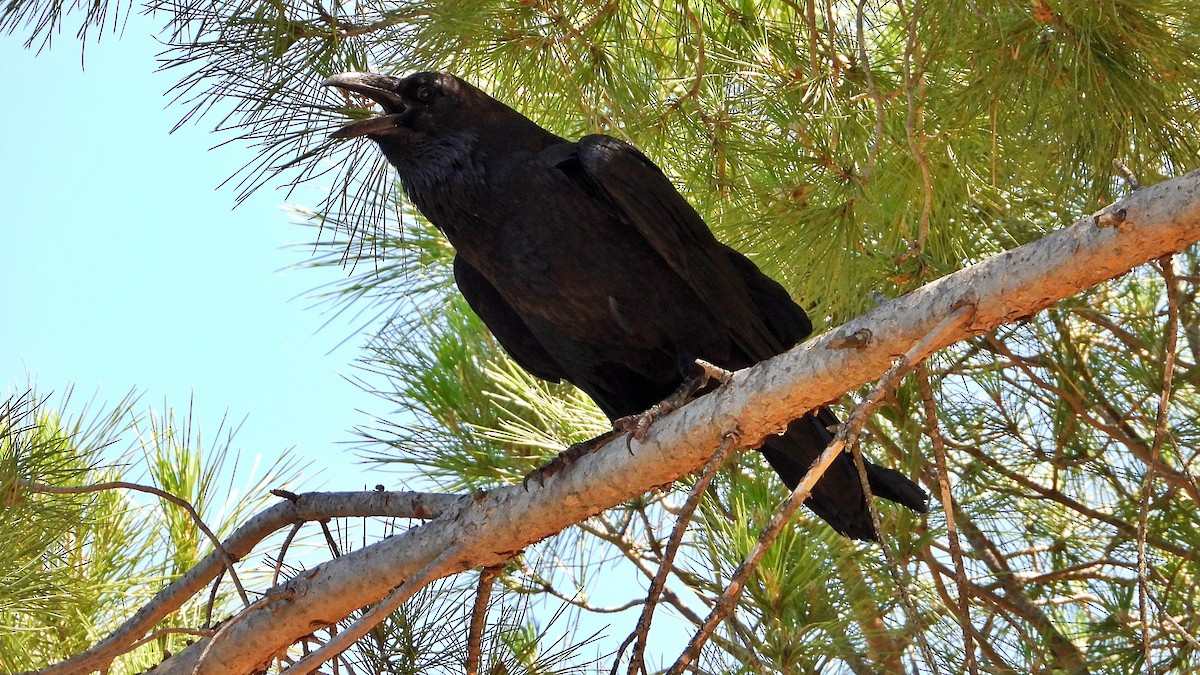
{"x": 588, "y": 266}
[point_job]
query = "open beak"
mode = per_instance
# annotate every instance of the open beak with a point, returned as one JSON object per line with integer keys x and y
{"x": 378, "y": 88}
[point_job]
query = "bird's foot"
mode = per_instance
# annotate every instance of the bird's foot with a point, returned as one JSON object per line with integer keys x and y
{"x": 567, "y": 457}
{"x": 638, "y": 425}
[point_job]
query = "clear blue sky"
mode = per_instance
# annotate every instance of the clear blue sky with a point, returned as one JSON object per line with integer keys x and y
{"x": 123, "y": 266}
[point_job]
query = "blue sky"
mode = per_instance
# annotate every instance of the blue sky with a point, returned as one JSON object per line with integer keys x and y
{"x": 123, "y": 266}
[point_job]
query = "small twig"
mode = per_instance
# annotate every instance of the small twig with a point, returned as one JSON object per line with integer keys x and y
{"x": 933, "y": 430}
{"x": 212, "y": 599}
{"x": 914, "y": 88}
{"x": 637, "y": 661}
{"x": 859, "y": 339}
{"x": 701, "y": 58}
{"x": 1188, "y": 637}
{"x": 906, "y": 601}
{"x": 261, "y": 602}
{"x": 1167, "y": 268}
{"x": 651, "y": 539}
{"x": 669, "y": 596}
{"x": 199, "y": 632}
{"x": 616, "y": 664}
{"x": 374, "y": 616}
{"x": 483, "y": 593}
{"x": 1126, "y": 174}
{"x": 541, "y": 584}
{"x": 733, "y": 590}
{"x": 810, "y": 18}
{"x": 334, "y": 550}
{"x": 283, "y": 548}
{"x": 305, "y": 507}
{"x": 1112, "y": 218}
{"x": 872, "y": 90}
{"x": 149, "y": 489}
{"x": 714, "y": 372}
{"x": 835, "y": 61}
{"x": 846, "y": 436}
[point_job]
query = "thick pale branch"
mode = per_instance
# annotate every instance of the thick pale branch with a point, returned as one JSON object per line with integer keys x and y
{"x": 300, "y": 508}
{"x": 1151, "y": 223}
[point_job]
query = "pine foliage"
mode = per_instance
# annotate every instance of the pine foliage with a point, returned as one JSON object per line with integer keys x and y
{"x": 854, "y": 150}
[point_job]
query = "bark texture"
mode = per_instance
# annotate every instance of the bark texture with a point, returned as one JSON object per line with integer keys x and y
{"x": 1150, "y": 223}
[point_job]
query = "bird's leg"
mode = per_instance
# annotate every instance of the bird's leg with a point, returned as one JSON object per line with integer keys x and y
{"x": 567, "y": 457}
{"x": 637, "y": 425}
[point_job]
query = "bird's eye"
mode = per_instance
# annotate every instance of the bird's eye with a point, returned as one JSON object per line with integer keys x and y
{"x": 424, "y": 93}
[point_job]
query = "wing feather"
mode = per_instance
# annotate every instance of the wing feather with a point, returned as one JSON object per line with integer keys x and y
{"x": 510, "y": 330}
{"x": 645, "y": 198}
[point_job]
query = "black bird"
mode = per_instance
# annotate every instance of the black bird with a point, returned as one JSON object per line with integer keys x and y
{"x": 588, "y": 266}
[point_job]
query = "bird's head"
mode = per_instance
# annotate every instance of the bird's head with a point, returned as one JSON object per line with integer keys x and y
{"x": 421, "y": 104}
{"x": 432, "y": 123}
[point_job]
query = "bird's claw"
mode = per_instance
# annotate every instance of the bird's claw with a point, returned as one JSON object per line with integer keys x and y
{"x": 566, "y": 458}
{"x": 637, "y": 426}
{"x": 545, "y": 471}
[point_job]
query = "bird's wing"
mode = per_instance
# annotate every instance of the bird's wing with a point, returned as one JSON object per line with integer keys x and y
{"x": 642, "y": 196}
{"x": 510, "y": 331}
{"x": 787, "y": 321}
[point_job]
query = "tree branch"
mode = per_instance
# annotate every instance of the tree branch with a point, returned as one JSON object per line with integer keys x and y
{"x": 182, "y": 503}
{"x": 1150, "y": 223}
{"x": 296, "y": 509}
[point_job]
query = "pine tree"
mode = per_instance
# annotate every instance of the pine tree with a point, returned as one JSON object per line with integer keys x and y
{"x": 855, "y": 151}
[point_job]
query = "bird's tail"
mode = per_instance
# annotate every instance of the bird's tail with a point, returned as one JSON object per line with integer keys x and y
{"x": 838, "y": 497}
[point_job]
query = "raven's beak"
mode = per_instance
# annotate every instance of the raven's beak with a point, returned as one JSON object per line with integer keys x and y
{"x": 378, "y": 88}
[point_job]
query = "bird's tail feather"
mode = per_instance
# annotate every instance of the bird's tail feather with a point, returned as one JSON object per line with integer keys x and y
{"x": 838, "y": 497}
